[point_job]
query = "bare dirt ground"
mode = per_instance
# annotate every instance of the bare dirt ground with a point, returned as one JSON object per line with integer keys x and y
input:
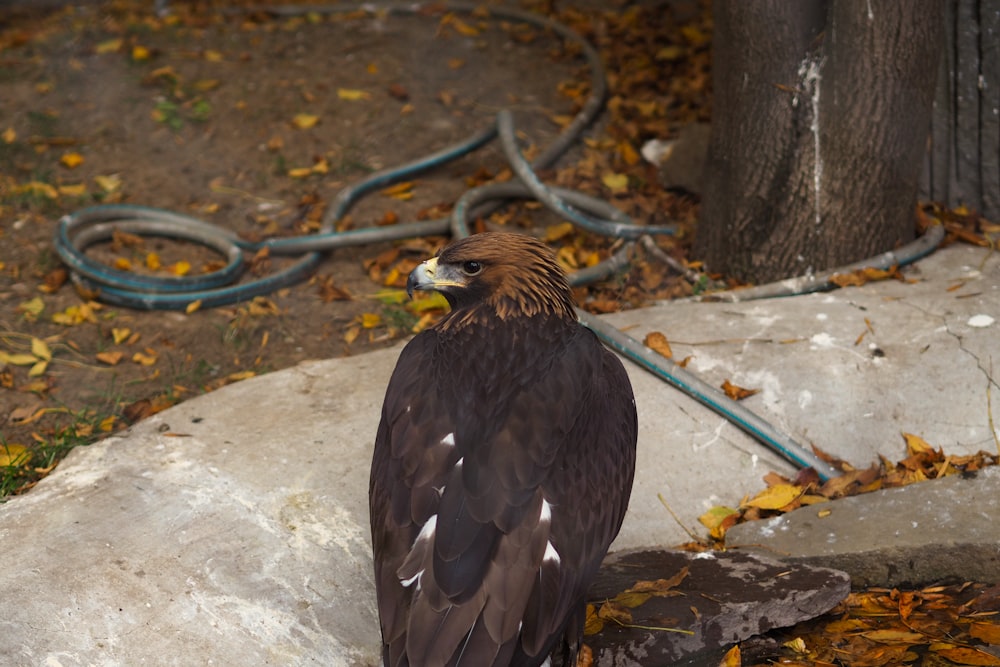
{"x": 254, "y": 122}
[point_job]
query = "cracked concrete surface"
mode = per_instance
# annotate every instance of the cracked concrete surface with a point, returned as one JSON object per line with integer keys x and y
{"x": 232, "y": 528}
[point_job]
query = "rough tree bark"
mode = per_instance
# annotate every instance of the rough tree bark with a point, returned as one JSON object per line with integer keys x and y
{"x": 819, "y": 123}
{"x": 963, "y": 164}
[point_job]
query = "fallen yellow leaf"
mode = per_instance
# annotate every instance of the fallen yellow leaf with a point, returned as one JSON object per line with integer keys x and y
{"x": 304, "y": 121}
{"x": 109, "y": 46}
{"x": 321, "y": 166}
{"x": 140, "y": 53}
{"x": 40, "y": 349}
{"x": 718, "y": 520}
{"x": 77, "y": 190}
{"x": 916, "y": 445}
{"x": 460, "y": 26}
{"x": 427, "y": 302}
{"x": 399, "y": 190}
{"x": 9, "y": 135}
{"x": 670, "y": 53}
{"x": 39, "y": 188}
{"x": 615, "y": 182}
{"x": 628, "y": 153}
{"x": 18, "y": 359}
{"x": 71, "y": 160}
{"x": 108, "y": 183}
{"x": 558, "y": 231}
{"x": 13, "y": 455}
{"x": 146, "y": 359}
{"x": 74, "y": 315}
{"x": 181, "y": 268}
{"x": 732, "y": 658}
{"x": 798, "y": 645}
{"x": 31, "y": 308}
{"x": 300, "y": 172}
{"x": 205, "y": 85}
{"x": 352, "y": 94}
{"x": 775, "y": 497}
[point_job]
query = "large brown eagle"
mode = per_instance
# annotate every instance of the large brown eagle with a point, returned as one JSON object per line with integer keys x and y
{"x": 503, "y": 465}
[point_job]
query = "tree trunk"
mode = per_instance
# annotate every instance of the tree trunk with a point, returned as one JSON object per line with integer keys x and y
{"x": 963, "y": 163}
{"x": 819, "y": 123}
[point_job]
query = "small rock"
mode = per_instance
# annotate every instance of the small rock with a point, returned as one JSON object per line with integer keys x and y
{"x": 682, "y": 160}
{"x": 726, "y": 598}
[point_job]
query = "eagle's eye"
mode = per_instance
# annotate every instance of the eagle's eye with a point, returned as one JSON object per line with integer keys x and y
{"x": 471, "y": 268}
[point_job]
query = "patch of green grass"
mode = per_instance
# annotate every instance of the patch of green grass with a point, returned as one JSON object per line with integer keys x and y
{"x": 43, "y": 123}
{"x": 192, "y": 376}
{"x": 175, "y": 115}
{"x": 352, "y": 160}
{"x": 22, "y": 468}
{"x": 14, "y": 154}
{"x": 398, "y": 317}
{"x": 280, "y": 164}
{"x": 169, "y": 114}
{"x": 201, "y": 110}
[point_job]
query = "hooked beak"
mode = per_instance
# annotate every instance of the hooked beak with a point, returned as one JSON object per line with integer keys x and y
{"x": 429, "y": 276}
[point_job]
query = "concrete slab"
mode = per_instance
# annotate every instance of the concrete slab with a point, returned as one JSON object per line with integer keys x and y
{"x": 229, "y": 530}
{"x": 938, "y": 530}
{"x": 232, "y": 529}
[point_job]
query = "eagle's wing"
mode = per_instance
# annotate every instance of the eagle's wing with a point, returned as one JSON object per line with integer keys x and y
{"x": 495, "y": 493}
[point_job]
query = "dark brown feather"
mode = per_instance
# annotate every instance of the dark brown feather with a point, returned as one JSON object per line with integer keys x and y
{"x": 513, "y": 430}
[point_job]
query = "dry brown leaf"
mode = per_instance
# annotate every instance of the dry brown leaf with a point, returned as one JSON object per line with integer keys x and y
{"x": 737, "y": 393}
{"x": 53, "y": 280}
{"x": 732, "y": 658}
{"x": 987, "y": 632}
{"x": 593, "y": 623}
{"x": 964, "y": 655}
{"x": 613, "y": 611}
{"x": 895, "y": 636}
{"x": 658, "y": 342}
{"x": 111, "y": 358}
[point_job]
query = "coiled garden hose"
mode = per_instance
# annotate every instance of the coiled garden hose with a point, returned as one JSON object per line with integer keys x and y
{"x": 77, "y": 231}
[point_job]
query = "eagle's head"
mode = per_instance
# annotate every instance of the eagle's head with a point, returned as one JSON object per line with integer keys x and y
{"x": 511, "y": 275}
